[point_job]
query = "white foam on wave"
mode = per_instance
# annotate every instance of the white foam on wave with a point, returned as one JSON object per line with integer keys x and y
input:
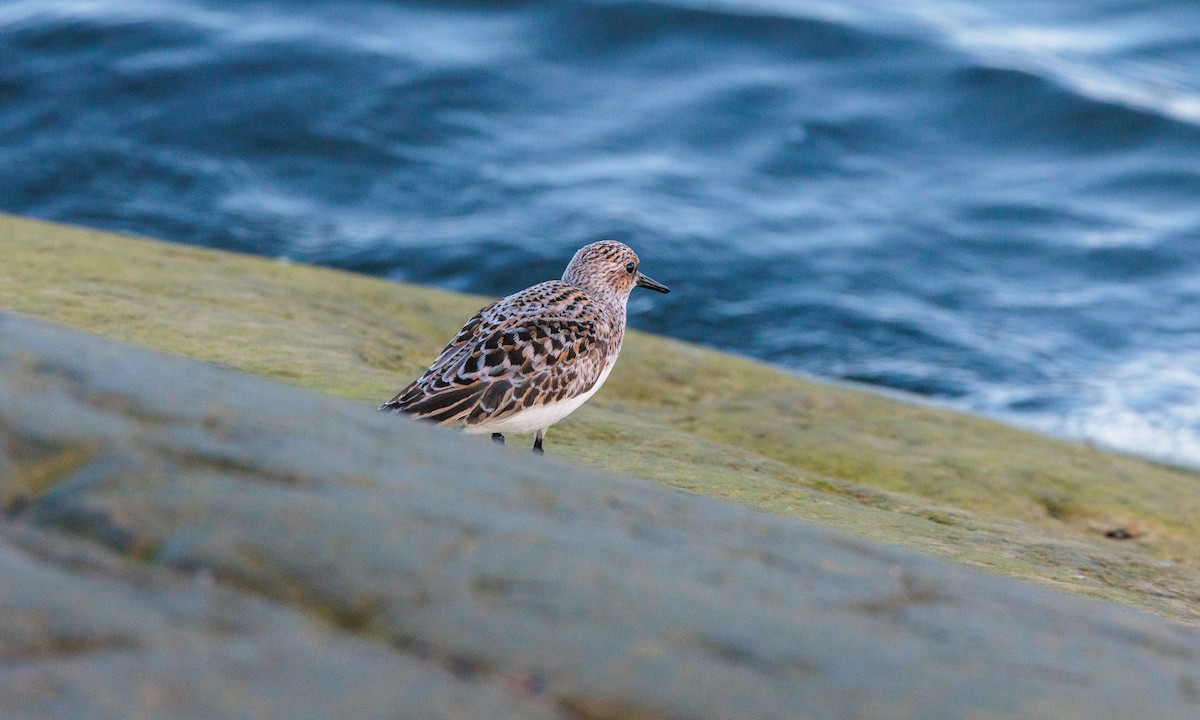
{"x": 1088, "y": 56}
{"x": 1147, "y": 406}
{"x": 442, "y": 40}
{"x": 102, "y": 12}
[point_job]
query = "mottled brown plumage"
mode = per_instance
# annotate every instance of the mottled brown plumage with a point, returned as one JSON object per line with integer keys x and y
{"x": 528, "y": 360}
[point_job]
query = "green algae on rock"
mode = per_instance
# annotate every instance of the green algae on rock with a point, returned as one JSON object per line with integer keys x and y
{"x": 960, "y": 486}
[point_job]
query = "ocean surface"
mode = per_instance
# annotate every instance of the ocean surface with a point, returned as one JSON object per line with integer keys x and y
{"x": 994, "y": 204}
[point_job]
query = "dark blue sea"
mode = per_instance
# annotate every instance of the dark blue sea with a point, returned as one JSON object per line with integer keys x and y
{"x": 993, "y": 204}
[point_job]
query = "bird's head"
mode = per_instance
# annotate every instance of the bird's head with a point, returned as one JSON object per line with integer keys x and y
{"x": 607, "y": 268}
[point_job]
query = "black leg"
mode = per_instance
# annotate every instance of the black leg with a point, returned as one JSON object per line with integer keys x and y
{"x": 537, "y": 442}
{"x": 498, "y": 438}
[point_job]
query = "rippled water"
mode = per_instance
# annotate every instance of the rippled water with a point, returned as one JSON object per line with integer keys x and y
{"x": 991, "y": 204}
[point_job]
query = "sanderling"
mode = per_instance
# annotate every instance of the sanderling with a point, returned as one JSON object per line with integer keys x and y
{"x": 528, "y": 360}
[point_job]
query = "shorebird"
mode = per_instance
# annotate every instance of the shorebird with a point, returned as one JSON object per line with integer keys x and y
{"x": 528, "y": 360}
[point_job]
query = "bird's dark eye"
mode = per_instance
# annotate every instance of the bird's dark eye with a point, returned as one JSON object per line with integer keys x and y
{"x": 630, "y": 268}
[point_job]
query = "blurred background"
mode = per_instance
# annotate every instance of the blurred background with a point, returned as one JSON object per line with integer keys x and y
{"x": 992, "y": 204}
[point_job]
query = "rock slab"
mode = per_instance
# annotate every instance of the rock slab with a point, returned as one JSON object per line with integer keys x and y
{"x": 182, "y": 541}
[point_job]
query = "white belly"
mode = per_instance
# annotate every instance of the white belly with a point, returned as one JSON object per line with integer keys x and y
{"x": 538, "y": 417}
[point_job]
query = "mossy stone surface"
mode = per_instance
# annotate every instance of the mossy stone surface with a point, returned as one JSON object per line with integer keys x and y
{"x": 959, "y": 486}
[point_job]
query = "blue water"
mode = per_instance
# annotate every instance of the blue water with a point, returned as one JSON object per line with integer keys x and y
{"x": 992, "y": 203}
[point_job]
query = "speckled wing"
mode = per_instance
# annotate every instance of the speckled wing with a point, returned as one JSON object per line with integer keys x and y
{"x": 541, "y": 345}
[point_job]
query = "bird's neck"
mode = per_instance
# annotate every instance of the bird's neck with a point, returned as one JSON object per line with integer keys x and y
{"x": 601, "y": 293}
{"x": 613, "y": 313}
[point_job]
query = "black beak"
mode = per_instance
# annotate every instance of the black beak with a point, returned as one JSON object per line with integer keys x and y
{"x": 643, "y": 281}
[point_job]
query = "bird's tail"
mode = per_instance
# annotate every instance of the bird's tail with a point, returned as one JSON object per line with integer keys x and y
{"x": 446, "y": 405}
{"x": 401, "y": 401}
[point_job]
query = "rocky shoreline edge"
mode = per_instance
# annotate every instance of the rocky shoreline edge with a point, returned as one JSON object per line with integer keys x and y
{"x": 180, "y": 540}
